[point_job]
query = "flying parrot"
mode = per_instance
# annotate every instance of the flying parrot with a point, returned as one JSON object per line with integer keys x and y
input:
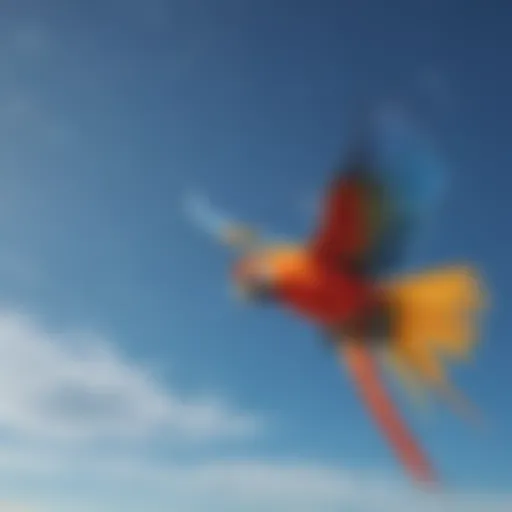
{"x": 345, "y": 279}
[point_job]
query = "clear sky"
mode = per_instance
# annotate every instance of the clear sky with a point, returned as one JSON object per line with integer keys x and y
{"x": 130, "y": 379}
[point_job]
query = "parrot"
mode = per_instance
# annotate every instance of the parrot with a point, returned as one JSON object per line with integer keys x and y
{"x": 347, "y": 279}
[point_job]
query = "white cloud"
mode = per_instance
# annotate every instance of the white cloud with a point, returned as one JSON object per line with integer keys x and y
{"x": 15, "y": 507}
{"x": 233, "y": 485}
{"x": 261, "y": 485}
{"x": 65, "y": 385}
{"x": 72, "y": 387}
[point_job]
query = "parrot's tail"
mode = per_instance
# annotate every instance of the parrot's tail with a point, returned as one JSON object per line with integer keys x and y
{"x": 434, "y": 320}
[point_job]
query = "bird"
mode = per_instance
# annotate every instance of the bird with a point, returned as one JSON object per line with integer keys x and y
{"x": 347, "y": 279}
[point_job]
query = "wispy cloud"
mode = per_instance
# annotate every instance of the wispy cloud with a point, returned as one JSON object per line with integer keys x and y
{"x": 301, "y": 486}
{"x": 244, "y": 484}
{"x": 16, "y": 507}
{"x": 55, "y": 384}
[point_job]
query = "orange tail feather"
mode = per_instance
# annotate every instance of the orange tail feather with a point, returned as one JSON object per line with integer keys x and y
{"x": 364, "y": 372}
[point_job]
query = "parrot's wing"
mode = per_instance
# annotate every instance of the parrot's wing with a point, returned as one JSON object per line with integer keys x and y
{"x": 365, "y": 375}
{"x": 218, "y": 225}
{"x": 379, "y": 200}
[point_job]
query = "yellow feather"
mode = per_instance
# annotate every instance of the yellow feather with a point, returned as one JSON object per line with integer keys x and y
{"x": 435, "y": 322}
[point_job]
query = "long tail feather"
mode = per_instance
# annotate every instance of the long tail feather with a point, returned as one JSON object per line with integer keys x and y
{"x": 364, "y": 373}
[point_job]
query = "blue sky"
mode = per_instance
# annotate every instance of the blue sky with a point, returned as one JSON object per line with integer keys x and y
{"x": 130, "y": 378}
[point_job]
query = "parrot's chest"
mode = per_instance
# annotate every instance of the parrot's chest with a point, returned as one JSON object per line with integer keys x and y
{"x": 327, "y": 298}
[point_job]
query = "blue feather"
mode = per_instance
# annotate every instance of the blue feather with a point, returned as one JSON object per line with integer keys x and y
{"x": 412, "y": 176}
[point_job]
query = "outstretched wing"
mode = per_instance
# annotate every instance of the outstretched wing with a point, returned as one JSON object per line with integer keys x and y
{"x": 218, "y": 225}
{"x": 364, "y": 372}
{"x": 379, "y": 201}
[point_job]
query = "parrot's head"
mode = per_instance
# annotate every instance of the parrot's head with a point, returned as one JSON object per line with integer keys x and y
{"x": 253, "y": 274}
{"x": 256, "y": 277}
{"x": 264, "y": 275}
{"x": 260, "y": 266}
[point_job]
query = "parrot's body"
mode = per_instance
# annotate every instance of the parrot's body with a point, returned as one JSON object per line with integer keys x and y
{"x": 340, "y": 281}
{"x": 323, "y": 295}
